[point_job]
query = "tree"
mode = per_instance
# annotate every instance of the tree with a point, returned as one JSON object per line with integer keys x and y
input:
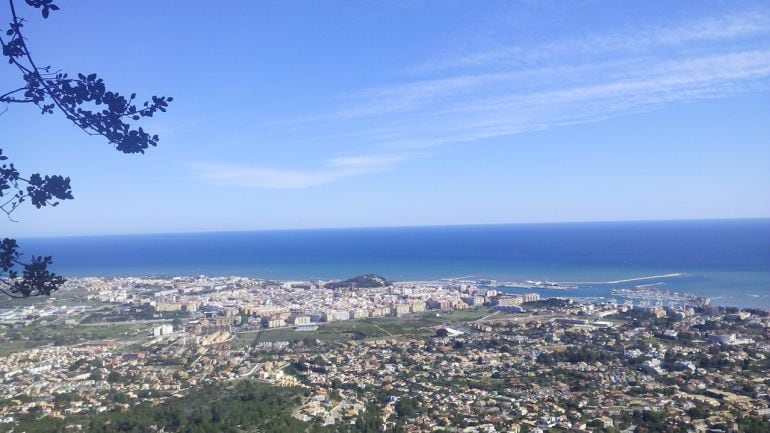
{"x": 406, "y": 407}
{"x": 85, "y": 100}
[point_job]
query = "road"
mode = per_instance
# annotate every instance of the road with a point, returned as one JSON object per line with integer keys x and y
{"x": 128, "y": 322}
{"x": 486, "y": 317}
{"x": 381, "y": 329}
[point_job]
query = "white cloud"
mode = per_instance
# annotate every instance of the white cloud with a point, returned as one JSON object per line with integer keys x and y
{"x": 436, "y": 113}
{"x": 526, "y": 88}
{"x": 705, "y": 70}
{"x": 271, "y": 178}
{"x": 737, "y": 26}
{"x": 259, "y": 177}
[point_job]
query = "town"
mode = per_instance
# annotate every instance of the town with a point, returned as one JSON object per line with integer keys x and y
{"x": 365, "y": 353}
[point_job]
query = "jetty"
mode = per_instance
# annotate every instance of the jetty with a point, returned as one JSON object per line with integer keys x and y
{"x": 627, "y": 280}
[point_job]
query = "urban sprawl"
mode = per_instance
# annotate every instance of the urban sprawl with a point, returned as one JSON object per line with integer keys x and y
{"x": 447, "y": 356}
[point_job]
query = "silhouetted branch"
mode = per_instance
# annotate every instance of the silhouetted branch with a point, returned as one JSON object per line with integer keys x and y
{"x": 86, "y": 102}
{"x": 57, "y": 90}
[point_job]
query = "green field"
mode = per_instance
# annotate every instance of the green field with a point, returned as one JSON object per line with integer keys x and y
{"x": 65, "y": 297}
{"x": 374, "y": 328}
{"x": 416, "y": 325}
{"x": 335, "y": 331}
{"x": 34, "y": 336}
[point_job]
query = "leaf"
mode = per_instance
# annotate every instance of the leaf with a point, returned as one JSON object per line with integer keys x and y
{"x": 45, "y": 12}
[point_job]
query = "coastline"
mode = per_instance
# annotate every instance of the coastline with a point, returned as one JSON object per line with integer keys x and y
{"x": 669, "y": 285}
{"x": 723, "y": 260}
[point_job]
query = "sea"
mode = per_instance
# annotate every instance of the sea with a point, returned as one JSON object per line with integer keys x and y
{"x": 725, "y": 260}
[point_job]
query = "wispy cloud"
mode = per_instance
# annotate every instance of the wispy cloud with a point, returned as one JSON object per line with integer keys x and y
{"x": 511, "y": 90}
{"x": 473, "y": 107}
{"x": 738, "y": 26}
{"x": 333, "y": 169}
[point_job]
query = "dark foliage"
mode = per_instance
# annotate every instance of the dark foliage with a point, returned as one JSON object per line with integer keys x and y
{"x": 85, "y": 100}
{"x": 248, "y": 406}
{"x": 35, "y": 278}
{"x": 574, "y": 355}
{"x": 406, "y": 407}
{"x": 366, "y": 281}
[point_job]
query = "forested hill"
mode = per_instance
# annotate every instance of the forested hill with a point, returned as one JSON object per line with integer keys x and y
{"x": 365, "y": 281}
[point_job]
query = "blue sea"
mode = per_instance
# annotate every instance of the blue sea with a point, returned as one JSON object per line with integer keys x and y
{"x": 727, "y": 260}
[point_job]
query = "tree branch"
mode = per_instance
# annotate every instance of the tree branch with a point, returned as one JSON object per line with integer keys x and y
{"x": 88, "y": 104}
{"x": 35, "y": 70}
{"x": 7, "y": 94}
{"x": 10, "y": 294}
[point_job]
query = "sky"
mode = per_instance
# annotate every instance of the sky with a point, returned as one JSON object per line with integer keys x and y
{"x": 301, "y": 114}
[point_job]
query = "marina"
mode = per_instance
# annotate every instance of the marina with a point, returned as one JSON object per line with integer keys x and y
{"x": 538, "y": 285}
{"x": 649, "y": 295}
{"x": 627, "y": 280}
{"x": 567, "y": 285}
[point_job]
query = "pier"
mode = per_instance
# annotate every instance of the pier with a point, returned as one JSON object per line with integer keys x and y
{"x": 627, "y": 280}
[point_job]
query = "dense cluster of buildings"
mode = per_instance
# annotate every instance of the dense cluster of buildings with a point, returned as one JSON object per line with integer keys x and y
{"x": 518, "y": 365}
{"x": 294, "y": 303}
{"x": 562, "y": 370}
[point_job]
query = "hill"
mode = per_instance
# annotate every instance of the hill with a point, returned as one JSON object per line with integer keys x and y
{"x": 366, "y": 281}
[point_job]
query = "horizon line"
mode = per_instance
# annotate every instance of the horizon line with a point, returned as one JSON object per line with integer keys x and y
{"x": 288, "y": 229}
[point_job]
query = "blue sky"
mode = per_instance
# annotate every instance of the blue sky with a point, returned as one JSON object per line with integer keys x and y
{"x": 292, "y": 114}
